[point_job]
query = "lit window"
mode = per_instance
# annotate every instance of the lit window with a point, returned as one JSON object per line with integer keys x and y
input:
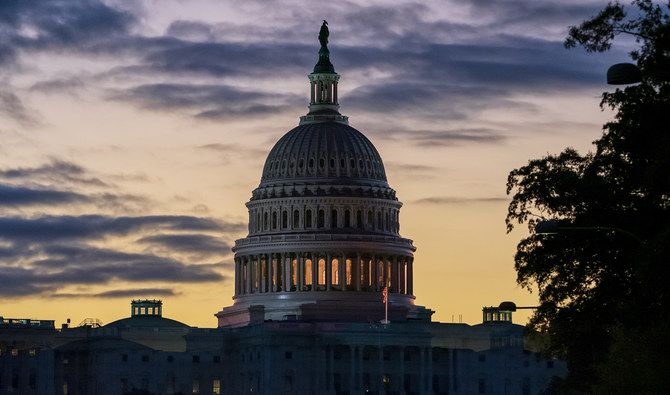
{"x": 216, "y": 387}
{"x": 15, "y": 352}
{"x": 32, "y": 352}
{"x": 196, "y": 386}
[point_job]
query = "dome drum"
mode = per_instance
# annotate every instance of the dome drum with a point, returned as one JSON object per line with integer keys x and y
{"x": 333, "y": 214}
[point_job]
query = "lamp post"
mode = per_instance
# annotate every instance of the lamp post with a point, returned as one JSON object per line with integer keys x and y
{"x": 512, "y": 307}
{"x": 624, "y": 74}
{"x": 551, "y": 227}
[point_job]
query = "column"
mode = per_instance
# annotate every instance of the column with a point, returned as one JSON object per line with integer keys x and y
{"x": 237, "y": 276}
{"x": 387, "y": 275}
{"x": 356, "y": 272}
{"x": 311, "y": 98}
{"x": 343, "y": 271}
{"x": 299, "y": 270}
{"x": 288, "y": 267}
{"x": 276, "y": 263}
{"x": 410, "y": 276}
{"x": 315, "y": 270}
{"x": 249, "y": 274}
{"x": 329, "y": 270}
{"x": 373, "y": 273}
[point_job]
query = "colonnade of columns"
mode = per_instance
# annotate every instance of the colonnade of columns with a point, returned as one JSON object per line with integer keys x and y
{"x": 323, "y": 271}
{"x": 323, "y": 88}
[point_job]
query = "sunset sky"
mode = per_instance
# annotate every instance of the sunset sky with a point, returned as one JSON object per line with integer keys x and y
{"x": 132, "y": 135}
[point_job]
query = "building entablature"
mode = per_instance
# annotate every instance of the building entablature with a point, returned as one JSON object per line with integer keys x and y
{"x": 316, "y": 241}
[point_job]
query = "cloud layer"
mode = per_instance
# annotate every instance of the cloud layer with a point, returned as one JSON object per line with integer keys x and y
{"x": 42, "y": 253}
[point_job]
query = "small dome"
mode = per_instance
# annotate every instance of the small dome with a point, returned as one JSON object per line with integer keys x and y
{"x": 327, "y": 151}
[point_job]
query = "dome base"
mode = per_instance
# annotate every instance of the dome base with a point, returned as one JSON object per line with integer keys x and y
{"x": 320, "y": 306}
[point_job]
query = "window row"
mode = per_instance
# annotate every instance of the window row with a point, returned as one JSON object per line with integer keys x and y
{"x": 348, "y": 167}
{"x": 314, "y": 217}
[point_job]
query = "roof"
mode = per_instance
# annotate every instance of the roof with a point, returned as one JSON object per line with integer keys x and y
{"x": 140, "y": 321}
{"x": 323, "y": 151}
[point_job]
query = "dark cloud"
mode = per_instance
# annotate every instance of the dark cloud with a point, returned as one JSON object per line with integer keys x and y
{"x": 507, "y": 50}
{"x": 448, "y": 200}
{"x": 65, "y": 24}
{"x": 440, "y": 138}
{"x": 93, "y": 266}
{"x": 192, "y": 243}
{"x": 55, "y": 171}
{"x": 211, "y": 102}
{"x": 12, "y": 107}
{"x": 92, "y": 227}
{"x": 121, "y": 293}
{"x": 21, "y": 196}
{"x": 170, "y": 96}
{"x": 58, "y": 86}
{"x": 190, "y": 30}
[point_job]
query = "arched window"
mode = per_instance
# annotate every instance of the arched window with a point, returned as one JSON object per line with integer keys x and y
{"x": 379, "y": 220}
{"x": 265, "y": 220}
{"x": 284, "y": 219}
{"x": 347, "y": 219}
{"x": 274, "y": 220}
{"x": 333, "y": 219}
{"x": 359, "y": 219}
{"x": 296, "y": 219}
{"x": 335, "y": 272}
{"x": 371, "y": 223}
{"x": 321, "y": 278}
{"x": 308, "y": 272}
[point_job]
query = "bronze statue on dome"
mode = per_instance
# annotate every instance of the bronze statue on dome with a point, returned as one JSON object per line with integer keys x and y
{"x": 323, "y": 34}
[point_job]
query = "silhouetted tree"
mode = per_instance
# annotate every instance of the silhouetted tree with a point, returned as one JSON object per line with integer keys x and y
{"x": 604, "y": 295}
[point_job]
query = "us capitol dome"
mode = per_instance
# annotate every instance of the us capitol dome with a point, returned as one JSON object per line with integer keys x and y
{"x": 324, "y": 225}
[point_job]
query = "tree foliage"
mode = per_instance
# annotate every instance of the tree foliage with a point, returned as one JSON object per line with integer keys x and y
{"x": 604, "y": 295}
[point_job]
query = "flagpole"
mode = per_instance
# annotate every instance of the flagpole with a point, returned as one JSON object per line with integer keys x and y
{"x": 386, "y": 305}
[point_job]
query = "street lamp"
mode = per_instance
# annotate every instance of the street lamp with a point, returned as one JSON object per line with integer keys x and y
{"x": 512, "y": 307}
{"x": 624, "y": 74}
{"x": 551, "y": 227}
